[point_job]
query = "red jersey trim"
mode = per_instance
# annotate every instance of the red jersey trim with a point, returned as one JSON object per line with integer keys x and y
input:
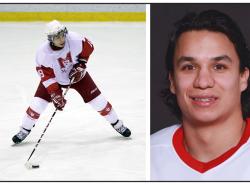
{"x": 205, "y": 166}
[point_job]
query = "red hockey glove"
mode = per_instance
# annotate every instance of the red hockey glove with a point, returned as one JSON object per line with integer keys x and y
{"x": 78, "y": 72}
{"x": 58, "y": 100}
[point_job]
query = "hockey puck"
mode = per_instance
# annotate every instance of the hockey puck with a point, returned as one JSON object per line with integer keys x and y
{"x": 31, "y": 166}
{"x": 35, "y": 166}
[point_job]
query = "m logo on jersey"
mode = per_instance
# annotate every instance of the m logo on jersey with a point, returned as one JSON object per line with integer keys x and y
{"x": 65, "y": 62}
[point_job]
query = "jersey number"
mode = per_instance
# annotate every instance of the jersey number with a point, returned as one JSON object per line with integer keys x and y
{"x": 40, "y": 72}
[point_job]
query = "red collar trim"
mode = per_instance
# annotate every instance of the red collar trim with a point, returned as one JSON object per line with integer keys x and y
{"x": 205, "y": 166}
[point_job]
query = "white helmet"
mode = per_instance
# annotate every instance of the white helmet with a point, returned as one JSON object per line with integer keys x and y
{"x": 55, "y": 28}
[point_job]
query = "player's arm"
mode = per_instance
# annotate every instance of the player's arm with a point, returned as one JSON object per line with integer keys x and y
{"x": 79, "y": 69}
{"x": 87, "y": 50}
{"x": 48, "y": 80}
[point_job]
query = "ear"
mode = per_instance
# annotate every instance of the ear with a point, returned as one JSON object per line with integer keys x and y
{"x": 172, "y": 85}
{"x": 244, "y": 76}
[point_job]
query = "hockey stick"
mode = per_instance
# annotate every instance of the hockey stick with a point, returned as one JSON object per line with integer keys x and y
{"x": 28, "y": 164}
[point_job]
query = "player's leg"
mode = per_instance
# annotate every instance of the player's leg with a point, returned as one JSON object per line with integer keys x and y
{"x": 92, "y": 95}
{"x": 36, "y": 108}
{"x": 105, "y": 109}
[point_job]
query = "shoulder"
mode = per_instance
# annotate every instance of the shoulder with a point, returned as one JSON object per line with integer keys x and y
{"x": 164, "y": 136}
{"x": 43, "y": 53}
{"x": 73, "y": 36}
{"x": 75, "y": 41}
{"x": 163, "y": 158}
{"x": 43, "y": 47}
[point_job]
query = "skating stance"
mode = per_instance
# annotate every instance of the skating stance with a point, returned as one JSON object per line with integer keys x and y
{"x": 62, "y": 58}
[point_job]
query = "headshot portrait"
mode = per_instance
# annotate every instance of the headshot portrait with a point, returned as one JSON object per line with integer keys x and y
{"x": 200, "y": 92}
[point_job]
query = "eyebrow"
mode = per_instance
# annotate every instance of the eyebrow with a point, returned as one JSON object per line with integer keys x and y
{"x": 192, "y": 59}
{"x": 185, "y": 58}
{"x": 222, "y": 57}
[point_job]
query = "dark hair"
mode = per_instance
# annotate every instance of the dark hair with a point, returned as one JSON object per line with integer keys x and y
{"x": 211, "y": 20}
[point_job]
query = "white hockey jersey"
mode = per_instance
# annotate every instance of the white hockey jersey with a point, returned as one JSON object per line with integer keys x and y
{"x": 54, "y": 66}
{"x": 171, "y": 162}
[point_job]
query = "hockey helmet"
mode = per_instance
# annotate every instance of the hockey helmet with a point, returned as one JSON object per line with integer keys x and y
{"x": 55, "y": 28}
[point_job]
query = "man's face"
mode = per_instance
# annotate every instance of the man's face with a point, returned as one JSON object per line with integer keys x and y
{"x": 206, "y": 80}
{"x": 59, "y": 40}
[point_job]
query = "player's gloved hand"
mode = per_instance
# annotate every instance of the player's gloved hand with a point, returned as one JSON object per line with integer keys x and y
{"x": 58, "y": 100}
{"x": 78, "y": 72}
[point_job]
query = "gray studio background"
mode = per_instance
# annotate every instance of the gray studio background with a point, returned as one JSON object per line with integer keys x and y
{"x": 162, "y": 18}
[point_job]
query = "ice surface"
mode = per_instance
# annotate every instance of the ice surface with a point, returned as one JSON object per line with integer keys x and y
{"x": 79, "y": 144}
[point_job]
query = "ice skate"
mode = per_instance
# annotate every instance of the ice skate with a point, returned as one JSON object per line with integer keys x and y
{"x": 20, "y": 136}
{"x": 120, "y": 128}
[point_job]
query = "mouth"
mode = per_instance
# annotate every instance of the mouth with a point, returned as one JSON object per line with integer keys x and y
{"x": 204, "y": 100}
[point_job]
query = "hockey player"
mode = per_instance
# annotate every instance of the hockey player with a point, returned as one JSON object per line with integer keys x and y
{"x": 208, "y": 65}
{"x": 62, "y": 58}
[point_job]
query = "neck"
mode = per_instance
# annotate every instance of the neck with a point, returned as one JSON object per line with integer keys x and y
{"x": 206, "y": 142}
{"x": 55, "y": 48}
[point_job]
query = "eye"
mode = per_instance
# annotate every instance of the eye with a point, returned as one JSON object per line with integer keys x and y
{"x": 188, "y": 67}
{"x": 220, "y": 67}
{"x": 59, "y": 35}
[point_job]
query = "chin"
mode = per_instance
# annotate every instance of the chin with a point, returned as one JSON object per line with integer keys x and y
{"x": 206, "y": 120}
{"x": 204, "y": 117}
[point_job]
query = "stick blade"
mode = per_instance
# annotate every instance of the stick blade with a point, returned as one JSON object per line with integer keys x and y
{"x": 29, "y": 165}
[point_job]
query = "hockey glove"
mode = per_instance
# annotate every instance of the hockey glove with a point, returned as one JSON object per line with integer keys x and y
{"x": 58, "y": 99}
{"x": 78, "y": 72}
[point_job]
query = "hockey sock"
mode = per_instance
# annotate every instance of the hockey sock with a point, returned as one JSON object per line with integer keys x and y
{"x": 105, "y": 109}
{"x": 37, "y": 106}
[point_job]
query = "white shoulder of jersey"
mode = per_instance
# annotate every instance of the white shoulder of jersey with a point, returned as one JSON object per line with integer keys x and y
{"x": 164, "y": 136}
{"x": 75, "y": 42}
{"x": 73, "y": 36}
{"x": 43, "y": 54}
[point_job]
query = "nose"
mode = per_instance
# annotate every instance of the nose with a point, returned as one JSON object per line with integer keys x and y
{"x": 204, "y": 79}
{"x": 61, "y": 38}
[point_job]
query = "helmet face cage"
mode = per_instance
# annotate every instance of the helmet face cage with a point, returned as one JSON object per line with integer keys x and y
{"x": 62, "y": 32}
